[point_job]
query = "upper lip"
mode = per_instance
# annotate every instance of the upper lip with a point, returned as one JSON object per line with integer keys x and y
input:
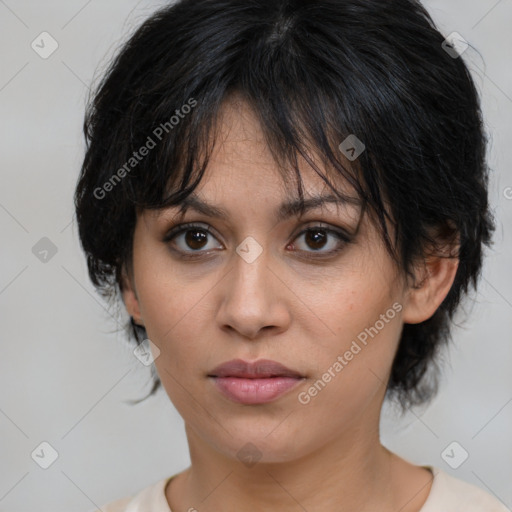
{"x": 263, "y": 368}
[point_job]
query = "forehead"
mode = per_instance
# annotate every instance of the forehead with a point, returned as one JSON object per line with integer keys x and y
{"x": 242, "y": 161}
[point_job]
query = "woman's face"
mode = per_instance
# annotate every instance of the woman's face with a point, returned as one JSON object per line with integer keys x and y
{"x": 330, "y": 310}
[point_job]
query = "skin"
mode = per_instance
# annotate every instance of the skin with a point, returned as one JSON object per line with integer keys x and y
{"x": 325, "y": 455}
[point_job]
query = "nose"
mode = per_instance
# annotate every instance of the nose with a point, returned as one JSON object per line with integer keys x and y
{"x": 254, "y": 298}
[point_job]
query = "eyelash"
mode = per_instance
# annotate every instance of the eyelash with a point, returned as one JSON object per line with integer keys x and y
{"x": 342, "y": 237}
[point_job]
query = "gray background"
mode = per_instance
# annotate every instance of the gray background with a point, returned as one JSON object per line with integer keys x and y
{"x": 65, "y": 373}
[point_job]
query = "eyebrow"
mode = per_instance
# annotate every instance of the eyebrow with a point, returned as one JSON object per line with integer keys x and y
{"x": 285, "y": 210}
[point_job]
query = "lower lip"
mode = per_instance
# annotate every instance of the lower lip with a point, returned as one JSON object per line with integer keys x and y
{"x": 254, "y": 391}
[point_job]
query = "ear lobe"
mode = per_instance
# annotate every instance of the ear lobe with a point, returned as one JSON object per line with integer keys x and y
{"x": 130, "y": 298}
{"x": 424, "y": 297}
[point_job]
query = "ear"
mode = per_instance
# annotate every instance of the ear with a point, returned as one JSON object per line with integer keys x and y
{"x": 433, "y": 280}
{"x": 130, "y": 299}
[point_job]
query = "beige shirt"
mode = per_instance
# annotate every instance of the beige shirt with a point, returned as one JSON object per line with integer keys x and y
{"x": 447, "y": 494}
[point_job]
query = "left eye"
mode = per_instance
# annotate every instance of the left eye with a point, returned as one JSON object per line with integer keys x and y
{"x": 318, "y": 238}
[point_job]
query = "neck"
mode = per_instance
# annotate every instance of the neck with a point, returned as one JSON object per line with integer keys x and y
{"x": 314, "y": 481}
{"x": 350, "y": 472}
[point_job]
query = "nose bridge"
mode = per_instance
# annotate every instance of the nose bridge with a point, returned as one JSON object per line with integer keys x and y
{"x": 251, "y": 269}
{"x": 250, "y": 301}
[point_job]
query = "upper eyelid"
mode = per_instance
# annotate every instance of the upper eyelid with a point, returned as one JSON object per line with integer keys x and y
{"x": 179, "y": 228}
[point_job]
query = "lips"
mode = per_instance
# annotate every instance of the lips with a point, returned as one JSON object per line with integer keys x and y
{"x": 254, "y": 383}
{"x": 262, "y": 369}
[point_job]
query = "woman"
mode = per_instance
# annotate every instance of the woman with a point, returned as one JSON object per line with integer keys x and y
{"x": 290, "y": 198}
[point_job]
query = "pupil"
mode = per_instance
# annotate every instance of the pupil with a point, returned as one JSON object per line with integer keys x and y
{"x": 193, "y": 239}
{"x": 315, "y": 239}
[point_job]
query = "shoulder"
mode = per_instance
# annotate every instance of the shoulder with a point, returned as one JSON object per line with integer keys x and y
{"x": 150, "y": 499}
{"x": 450, "y": 494}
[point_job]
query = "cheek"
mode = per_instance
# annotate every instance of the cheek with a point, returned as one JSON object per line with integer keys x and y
{"x": 172, "y": 309}
{"x": 352, "y": 374}
{"x": 349, "y": 301}
{"x": 353, "y": 360}
{"x": 170, "y": 297}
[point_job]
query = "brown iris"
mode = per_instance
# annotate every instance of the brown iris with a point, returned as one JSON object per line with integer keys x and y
{"x": 315, "y": 239}
{"x": 195, "y": 238}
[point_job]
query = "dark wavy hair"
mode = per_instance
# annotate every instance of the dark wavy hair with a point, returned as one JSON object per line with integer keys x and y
{"x": 314, "y": 73}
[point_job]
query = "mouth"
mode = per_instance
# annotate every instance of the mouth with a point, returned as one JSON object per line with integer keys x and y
{"x": 254, "y": 383}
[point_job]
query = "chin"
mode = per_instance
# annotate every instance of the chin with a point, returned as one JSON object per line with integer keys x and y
{"x": 252, "y": 446}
